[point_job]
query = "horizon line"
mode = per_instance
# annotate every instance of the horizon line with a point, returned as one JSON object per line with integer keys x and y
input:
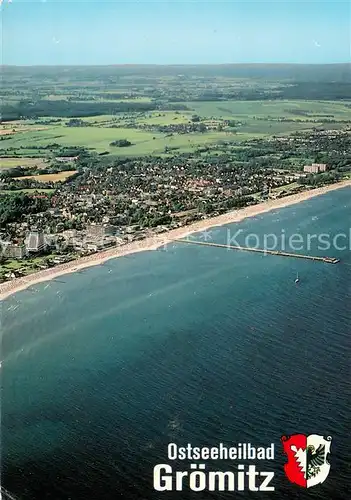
{"x": 346, "y": 63}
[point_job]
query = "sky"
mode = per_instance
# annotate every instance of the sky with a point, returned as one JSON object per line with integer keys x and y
{"x": 98, "y": 32}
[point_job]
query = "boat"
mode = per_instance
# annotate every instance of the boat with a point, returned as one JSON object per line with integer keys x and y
{"x": 297, "y": 278}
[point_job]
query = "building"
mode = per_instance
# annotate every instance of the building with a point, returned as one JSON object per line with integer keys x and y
{"x": 311, "y": 169}
{"x": 69, "y": 234}
{"x": 98, "y": 231}
{"x": 13, "y": 251}
{"x": 94, "y": 247}
{"x": 322, "y": 167}
{"x": 315, "y": 168}
{"x": 66, "y": 159}
{"x": 35, "y": 242}
{"x": 99, "y": 245}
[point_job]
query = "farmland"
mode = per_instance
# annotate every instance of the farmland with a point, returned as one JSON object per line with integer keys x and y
{"x": 296, "y": 109}
{"x": 99, "y": 139}
{"x": 251, "y": 119}
{"x": 25, "y": 162}
{"x": 162, "y": 111}
{"x": 59, "y": 177}
{"x": 148, "y": 106}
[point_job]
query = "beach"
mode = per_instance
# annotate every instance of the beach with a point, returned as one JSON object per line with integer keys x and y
{"x": 152, "y": 243}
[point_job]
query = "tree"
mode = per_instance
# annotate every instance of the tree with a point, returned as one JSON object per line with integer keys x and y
{"x": 202, "y": 127}
{"x": 121, "y": 143}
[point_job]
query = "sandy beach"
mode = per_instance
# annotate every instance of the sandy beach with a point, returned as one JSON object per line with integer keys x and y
{"x": 10, "y": 287}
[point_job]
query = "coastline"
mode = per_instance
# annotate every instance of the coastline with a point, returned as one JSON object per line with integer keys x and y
{"x": 152, "y": 243}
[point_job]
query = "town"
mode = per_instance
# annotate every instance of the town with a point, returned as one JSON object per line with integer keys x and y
{"x": 77, "y": 181}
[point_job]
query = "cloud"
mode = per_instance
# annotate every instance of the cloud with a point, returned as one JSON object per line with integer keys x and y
{"x": 316, "y": 44}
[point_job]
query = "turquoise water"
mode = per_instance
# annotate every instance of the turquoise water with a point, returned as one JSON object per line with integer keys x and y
{"x": 192, "y": 344}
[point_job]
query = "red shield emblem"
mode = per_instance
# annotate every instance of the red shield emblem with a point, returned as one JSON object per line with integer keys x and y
{"x": 308, "y": 459}
{"x": 295, "y": 469}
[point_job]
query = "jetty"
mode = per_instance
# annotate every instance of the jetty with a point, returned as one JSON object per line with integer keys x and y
{"x": 328, "y": 260}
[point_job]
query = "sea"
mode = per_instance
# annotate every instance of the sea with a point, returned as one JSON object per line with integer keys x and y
{"x": 103, "y": 368}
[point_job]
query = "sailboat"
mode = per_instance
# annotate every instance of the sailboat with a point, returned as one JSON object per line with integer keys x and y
{"x": 297, "y": 278}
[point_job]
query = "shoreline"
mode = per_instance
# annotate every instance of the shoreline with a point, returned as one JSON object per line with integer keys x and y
{"x": 154, "y": 242}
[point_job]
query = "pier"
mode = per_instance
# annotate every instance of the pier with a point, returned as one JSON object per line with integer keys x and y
{"x": 328, "y": 260}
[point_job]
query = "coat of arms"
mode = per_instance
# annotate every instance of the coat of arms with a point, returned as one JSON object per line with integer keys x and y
{"x": 308, "y": 459}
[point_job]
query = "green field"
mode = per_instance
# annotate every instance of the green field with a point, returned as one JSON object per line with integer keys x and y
{"x": 280, "y": 108}
{"x": 163, "y": 118}
{"x": 59, "y": 97}
{"x": 252, "y": 119}
{"x": 91, "y": 137}
{"x": 21, "y": 162}
{"x": 99, "y": 139}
